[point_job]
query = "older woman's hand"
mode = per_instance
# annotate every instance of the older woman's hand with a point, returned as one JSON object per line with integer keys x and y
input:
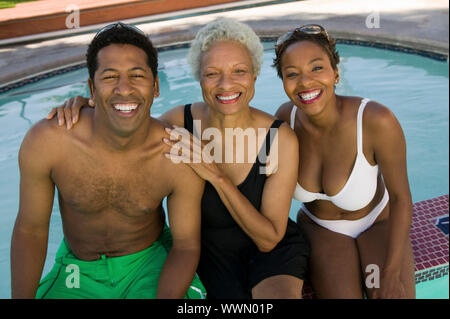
{"x": 69, "y": 112}
{"x": 188, "y": 149}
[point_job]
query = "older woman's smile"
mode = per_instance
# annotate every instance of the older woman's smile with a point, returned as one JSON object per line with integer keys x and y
{"x": 228, "y": 98}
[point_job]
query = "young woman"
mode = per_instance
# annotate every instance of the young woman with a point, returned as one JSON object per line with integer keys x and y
{"x": 250, "y": 247}
{"x": 352, "y": 177}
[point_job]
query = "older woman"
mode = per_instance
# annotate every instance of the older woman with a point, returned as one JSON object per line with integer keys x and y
{"x": 352, "y": 176}
{"x": 250, "y": 247}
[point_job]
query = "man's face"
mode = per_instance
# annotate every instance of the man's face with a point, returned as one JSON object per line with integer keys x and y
{"x": 124, "y": 87}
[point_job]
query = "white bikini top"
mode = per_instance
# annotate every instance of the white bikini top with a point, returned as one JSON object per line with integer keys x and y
{"x": 362, "y": 183}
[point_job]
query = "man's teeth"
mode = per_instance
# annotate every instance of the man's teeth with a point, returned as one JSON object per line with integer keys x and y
{"x": 126, "y": 108}
{"x": 228, "y": 97}
{"x": 309, "y": 96}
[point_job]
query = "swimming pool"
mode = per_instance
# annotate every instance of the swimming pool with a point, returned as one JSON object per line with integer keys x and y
{"x": 414, "y": 87}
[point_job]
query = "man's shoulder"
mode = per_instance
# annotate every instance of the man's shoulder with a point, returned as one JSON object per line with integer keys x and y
{"x": 40, "y": 144}
{"x": 46, "y": 137}
{"x": 43, "y": 132}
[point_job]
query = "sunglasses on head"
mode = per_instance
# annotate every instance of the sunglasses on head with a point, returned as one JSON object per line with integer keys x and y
{"x": 307, "y": 28}
{"x": 119, "y": 25}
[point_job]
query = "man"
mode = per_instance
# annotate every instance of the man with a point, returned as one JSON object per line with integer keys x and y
{"x": 111, "y": 176}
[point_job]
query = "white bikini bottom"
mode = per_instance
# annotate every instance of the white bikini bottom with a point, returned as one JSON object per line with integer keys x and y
{"x": 352, "y": 228}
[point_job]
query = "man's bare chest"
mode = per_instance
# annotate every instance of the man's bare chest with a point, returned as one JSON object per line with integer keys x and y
{"x": 128, "y": 186}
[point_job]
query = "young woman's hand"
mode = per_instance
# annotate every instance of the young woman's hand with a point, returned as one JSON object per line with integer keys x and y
{"x": 69, "y": 112}
{"x": 391, "y": 287}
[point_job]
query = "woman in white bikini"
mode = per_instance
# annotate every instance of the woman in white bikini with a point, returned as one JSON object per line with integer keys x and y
{"x": 352, "y": 178}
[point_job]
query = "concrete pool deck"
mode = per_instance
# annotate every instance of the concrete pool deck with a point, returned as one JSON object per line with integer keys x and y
{"x": 420, "y": 25}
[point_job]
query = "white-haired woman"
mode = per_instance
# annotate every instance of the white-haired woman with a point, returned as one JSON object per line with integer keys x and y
{"x": 250, "y": 247}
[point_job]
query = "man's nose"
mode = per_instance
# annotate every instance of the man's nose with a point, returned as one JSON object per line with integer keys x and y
{"x": 124, "y": 86}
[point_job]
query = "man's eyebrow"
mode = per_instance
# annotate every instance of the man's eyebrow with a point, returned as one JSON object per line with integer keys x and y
{"x": 109, "y": 70}
{"x": 137, "y": 68}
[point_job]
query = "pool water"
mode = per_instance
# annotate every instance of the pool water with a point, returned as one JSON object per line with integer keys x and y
{"x": 415, "y": 88}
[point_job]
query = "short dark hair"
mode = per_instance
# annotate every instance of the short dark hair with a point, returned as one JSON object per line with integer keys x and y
{"x": 327, "y": 44}
{"x": 120, "y": 33}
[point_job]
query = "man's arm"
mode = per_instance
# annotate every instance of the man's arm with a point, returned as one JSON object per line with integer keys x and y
{"x": 30, "y": 234}
{"x": 183, "y": 207}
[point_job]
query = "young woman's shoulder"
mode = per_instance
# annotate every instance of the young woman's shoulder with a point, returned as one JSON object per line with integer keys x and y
{"x": 379, "y": 117}
{"x": 375, "y": 114}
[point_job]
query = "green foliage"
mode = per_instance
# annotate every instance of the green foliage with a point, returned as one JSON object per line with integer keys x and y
{"x": 12, "y": 3}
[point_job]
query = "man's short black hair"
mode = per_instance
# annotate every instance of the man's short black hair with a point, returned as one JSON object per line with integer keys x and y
{"x": 120, "y": 33}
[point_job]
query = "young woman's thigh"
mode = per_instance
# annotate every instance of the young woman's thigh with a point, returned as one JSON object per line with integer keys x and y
{"x": 335, "y": 270}
{"x": 372, "y": 246}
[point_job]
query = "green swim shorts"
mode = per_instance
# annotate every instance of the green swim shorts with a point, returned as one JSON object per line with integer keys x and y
{"x": 132, "y": 276}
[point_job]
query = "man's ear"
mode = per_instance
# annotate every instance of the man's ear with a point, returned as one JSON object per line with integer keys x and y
{"x": 156, "y": 87}
{"x": 91, "y": 90}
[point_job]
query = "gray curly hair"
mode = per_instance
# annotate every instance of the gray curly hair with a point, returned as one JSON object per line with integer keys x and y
{"x": 225, "y": 29}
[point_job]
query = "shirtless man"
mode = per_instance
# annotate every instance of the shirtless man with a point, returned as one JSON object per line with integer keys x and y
{"x": 110, "y": 195}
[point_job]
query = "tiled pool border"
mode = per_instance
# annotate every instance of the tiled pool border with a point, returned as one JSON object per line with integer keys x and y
{"x": 66, "y": 69}
{"x": 431, "y": 253}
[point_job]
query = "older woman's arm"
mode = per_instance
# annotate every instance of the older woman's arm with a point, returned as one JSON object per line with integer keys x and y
{"x": 266, "y": 227}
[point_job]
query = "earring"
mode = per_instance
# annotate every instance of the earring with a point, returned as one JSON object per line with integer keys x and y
{"x": 91, "y": 103}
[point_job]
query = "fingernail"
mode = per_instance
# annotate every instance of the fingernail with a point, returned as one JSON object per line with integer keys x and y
{"x": 165, "y": 140}
{"x": 60, "y": 122}
{"x": 168, "y": 129}
{"x": 74, "y": 120}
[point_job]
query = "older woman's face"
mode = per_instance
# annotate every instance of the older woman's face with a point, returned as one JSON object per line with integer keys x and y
{"x": 308, "y": 77}
{"x": 227, "y": 77}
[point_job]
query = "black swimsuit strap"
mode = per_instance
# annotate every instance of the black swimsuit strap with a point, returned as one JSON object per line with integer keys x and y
{"x": 188, "y": 120}
{"x": 269, "y": 139}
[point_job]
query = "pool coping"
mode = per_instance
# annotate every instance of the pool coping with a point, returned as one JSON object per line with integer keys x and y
{"x": 398, "y": 31}
{"x": 78, "y": 65}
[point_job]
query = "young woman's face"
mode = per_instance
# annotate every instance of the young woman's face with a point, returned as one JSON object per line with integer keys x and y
{"x": 227, "y": 77}
{"x": 308, "y": 77}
